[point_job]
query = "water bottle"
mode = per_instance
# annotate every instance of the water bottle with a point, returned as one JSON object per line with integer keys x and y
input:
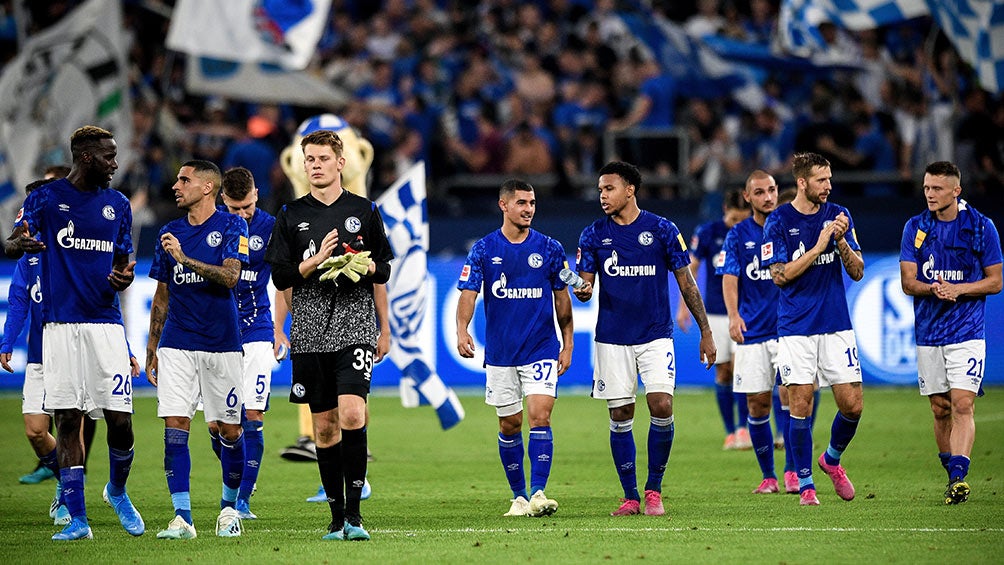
{"x": 573, "y": 280}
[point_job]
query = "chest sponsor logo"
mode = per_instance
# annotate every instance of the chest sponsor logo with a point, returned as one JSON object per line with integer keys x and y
{"x": 66, "y": 240}
{"x": 108, "y": 212}
{"x": 36, "y": 291}
{"x": 612, "y": 269}
{"x": 256, "y": 243}
{"x": 249, "y": 276}
{"x": 535, "y": 260}
{"x": 183, "y": 277}
{"x": 932, "y": 274}
{"x": 755, "y": 273}
{"x": 500, "y": 290}
{"x": 824, "y": 259}
{"x": 310, "y": 251}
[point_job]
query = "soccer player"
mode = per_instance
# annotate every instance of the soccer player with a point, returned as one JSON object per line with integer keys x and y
{"x": 334, "y": 330}
{"x": 84, "y": 227}
{"x": 751, "y": 301}
{"x": 950, "y": 261}
{"x": 519, "y": 269}
{"x": 24, "y": 299}
{"x": 632, "y": 251}
{"x": 194, "y": 350}
{"x": 240, "y": 196}
{"x": 705, "y": 251}
{"x": 803, "y": 242}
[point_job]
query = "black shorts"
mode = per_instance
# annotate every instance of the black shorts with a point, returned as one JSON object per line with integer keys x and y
{"x": 319, "y": 378}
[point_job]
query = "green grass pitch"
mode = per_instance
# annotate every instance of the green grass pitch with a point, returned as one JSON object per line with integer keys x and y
{"x": 438, "y": 497}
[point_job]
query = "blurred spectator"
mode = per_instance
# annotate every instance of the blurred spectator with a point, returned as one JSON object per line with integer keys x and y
{"x": 527, "y": 153}
{"x": 256, "y": 154}
{"x": 487, "y": 153}
{"x": 707, "y": 21}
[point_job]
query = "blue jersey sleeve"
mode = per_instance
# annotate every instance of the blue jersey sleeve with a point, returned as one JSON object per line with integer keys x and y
{"x": 472, "y": 274}
{"x": 123, "y": 241}
{"x": 160, "y": 268}
{"x": 677, "y": 256}
{"x": 910, "y": 241}
{"x": 773, "y": 248}
{"x": 556, "y": 262}
{"x": 17, "y": 307}
{"x": 586, "y": 253}
{"x": 235, "y": 239}
{"x": 700, "y": 244}
{"x": 851, "y": 236}
{"x": 730, "y": 251}
{"x": 991, "y": 245}
{"x": 30, "y": 210}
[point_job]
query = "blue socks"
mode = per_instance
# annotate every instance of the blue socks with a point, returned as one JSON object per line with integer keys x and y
{"x": 50, "y": 462}
{"x": 623, "y": 450}
{"x": 660, "y": 443}
{"x": 72, "y": 479}
{"x": 540, "y": 448}
{"x": 232, "y": 461}
{"x": 958, "y": 468}
{"x": 801, "y": 448}
{"x": 726, "y": 402}
{"x": 841, "y": 433}
{"x": 120, "y": 463}
{"x": 511, "y": 454}
{"x": 178, "y": 469}
{"x": 254, "y": 446}
{"x": 763, "y": 445}
{"x": 944, "y": 457}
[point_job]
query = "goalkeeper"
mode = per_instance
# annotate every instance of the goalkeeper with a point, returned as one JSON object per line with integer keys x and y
{"x": 330, "y": 248}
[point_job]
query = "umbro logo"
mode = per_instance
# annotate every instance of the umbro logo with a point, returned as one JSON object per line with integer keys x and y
{"x": 750, "y": 244}
{"x": 303, "y": 226}
{"x": 496, "y": 260}
{"x": 793, "y": 231}
{"x": 606, "y": 241}
{"x": 64, "y": 207}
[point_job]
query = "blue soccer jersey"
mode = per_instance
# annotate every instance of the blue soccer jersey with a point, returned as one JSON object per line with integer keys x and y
{"x": 201, "y": 315}
{"x": 83, "y": 232}
{"x": 632, "y": 264}
{"x": 815, "y": 302}
{"x": 518, "y": 280}
{"x": 957, "y": 251}
{"x": 757, "y": 291}
{"x": 253, "y": 304}
{"x": 24, "y": 301}
{"x": 706, "y": 245}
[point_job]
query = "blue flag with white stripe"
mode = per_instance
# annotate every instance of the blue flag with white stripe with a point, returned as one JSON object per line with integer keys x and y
{"x": 412, "y": 317}
{"x": 975, "y": 27}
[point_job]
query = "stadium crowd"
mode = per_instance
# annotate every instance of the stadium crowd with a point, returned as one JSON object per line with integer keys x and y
{"x": 525, "y": 88}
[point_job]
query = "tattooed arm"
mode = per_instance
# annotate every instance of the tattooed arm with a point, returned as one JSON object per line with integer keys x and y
{"x": 158, "y": 315}
{"x": 784, "y": 273}
{"x": 692, "y": 297}
{"x": 854, "y": 264}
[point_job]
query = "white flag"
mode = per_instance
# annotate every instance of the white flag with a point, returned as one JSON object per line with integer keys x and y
{"x": 69, "y": 75}
{"x": 260, "y": 82}
{"x": 412, "y": 318}
{"x": 283, "y": 32}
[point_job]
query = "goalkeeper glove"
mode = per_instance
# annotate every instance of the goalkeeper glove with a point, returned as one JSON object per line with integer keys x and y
{"x": 333, "y": 265}
{"x": 357, "y": 266}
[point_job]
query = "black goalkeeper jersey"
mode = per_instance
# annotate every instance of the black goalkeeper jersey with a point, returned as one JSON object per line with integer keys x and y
{"x": 328, "y": 317}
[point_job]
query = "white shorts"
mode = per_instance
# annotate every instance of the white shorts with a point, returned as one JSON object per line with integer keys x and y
{"x": 86, "y": 368}
{"x": 617, "y": 367}
{"x": 723, "y": 341}
{"x": 33, "y": 393}
{"x": 505, "y": 386}
{"x": 258, "y": 364}
{"x": 944, "y": 367}
{"x": 755, "y": 368}
{"x": 184, "y": 378}
{"x": 831, "y": 359}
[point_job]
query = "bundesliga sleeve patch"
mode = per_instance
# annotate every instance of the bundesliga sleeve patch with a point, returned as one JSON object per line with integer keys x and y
{"x": 465, "y": 273}
{"x": 767, "y": 251}
{"x": 20, "y": 216}
{"x": 242, "y": 245}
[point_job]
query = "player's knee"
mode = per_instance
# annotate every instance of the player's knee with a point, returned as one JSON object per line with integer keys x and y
{"x": 230, "y": 432}
{"x": 35, "y": 433}
{"x": 621, "y": 409}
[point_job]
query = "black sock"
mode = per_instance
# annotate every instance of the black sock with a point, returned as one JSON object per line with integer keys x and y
{"x": 329, "y": 463}
{"x": 354, "y": 456}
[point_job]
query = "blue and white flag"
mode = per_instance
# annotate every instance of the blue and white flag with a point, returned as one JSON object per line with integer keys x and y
{"x": 975, "y": 27}
{"x": 261, "y": 82}
{"x": 283, "y": 32}
{"x": 412, "y": 317}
